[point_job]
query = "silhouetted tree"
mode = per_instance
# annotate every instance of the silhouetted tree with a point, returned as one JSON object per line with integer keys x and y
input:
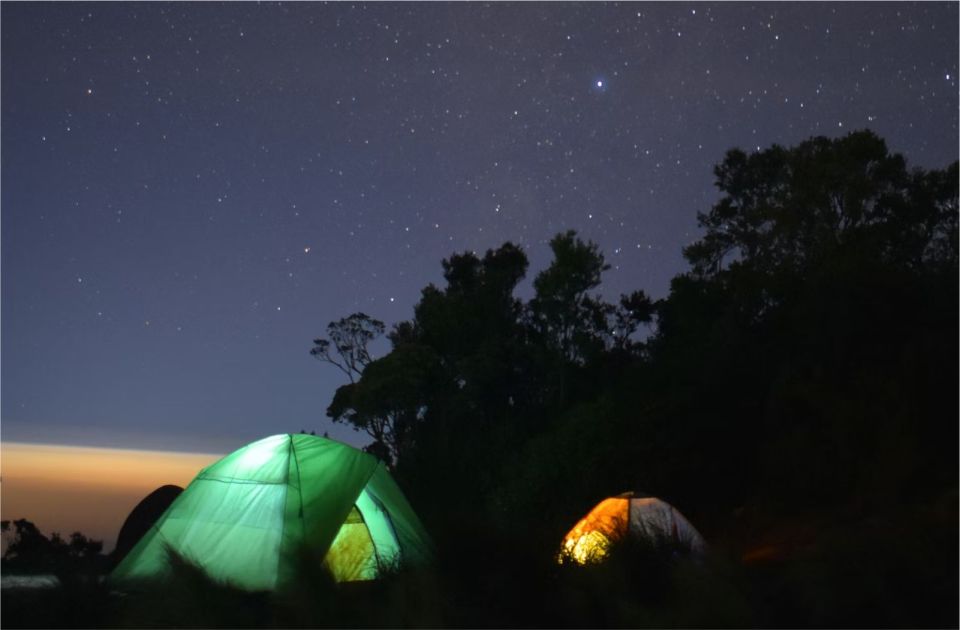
{"x": 348, "y": 345}
{"x": 786, "y": 210}
{"x": 572, "y": 321}
{"x": 30, "y": 552}
{"x": 388, "y": 399}
{"x": 825, "y": 274}
{"x": 453, "y": 350}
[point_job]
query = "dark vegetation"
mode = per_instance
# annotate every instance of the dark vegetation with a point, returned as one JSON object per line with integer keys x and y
{"x": 31, "y": 553}
{"x": 795, "y": 395}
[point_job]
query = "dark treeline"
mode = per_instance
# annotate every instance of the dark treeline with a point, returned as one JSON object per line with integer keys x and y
{"x": 795, "y": 394}
{"x": 29, "y": 552}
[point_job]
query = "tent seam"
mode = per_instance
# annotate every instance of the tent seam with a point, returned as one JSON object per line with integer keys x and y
{"x": 296, "y": 462}
{"x": 246, "y": 482}
{"x": 286, "y": 491}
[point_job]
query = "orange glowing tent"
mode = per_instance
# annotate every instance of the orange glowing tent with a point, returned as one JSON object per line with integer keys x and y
{"x": 615, "y": 518}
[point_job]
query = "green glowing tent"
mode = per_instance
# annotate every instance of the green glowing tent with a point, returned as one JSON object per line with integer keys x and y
{"x": 245, "y": 518}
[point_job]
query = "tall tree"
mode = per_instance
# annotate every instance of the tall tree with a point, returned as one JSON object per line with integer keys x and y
{"x": 825, "y": 273}
{"x": 388, "y": 400}
{"x": 348, "y": 345}
{"x": 572, "y": 321}
{"x": 787, "y": 209}
{"x": 455, "y": 353}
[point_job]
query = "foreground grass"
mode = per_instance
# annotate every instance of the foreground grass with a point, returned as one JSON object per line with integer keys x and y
{"x": 893, "y": 571}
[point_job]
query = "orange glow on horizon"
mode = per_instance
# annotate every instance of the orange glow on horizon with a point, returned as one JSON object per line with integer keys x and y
{"x": 91, "y": 490}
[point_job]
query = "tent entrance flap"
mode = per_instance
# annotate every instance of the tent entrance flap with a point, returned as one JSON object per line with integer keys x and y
{"x": 351, "y": 556}
{"x": 381, "y": 529}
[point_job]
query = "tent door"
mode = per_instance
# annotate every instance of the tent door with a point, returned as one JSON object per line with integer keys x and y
{"x": 352, "y": 556}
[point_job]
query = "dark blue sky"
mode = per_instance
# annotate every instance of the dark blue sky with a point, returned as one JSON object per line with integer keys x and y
{"x": 192, "y": 191}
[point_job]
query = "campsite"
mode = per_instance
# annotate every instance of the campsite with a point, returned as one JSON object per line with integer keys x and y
{"x": 500, "y": 514}
{"x": 455, "y": 315}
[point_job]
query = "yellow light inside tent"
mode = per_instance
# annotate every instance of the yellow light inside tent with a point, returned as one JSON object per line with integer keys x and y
{"x": 352, "y": 556}
{"x": 590, "y": 539}
{"x": 591, "y": 547}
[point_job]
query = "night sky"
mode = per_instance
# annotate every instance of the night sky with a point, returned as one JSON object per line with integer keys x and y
{"x": 191, "y": 192}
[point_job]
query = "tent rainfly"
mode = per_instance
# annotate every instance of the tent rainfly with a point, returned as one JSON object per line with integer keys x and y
{"x": 245, "y": 518}
{"x": 613, "y": 519}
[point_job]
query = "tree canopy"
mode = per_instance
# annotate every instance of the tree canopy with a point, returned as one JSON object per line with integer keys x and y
{"x": 806, "y": 363}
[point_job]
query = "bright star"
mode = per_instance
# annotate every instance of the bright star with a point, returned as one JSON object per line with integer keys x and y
{"x": 599, "y": 84}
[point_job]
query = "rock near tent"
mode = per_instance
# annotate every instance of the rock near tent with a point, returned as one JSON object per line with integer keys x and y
{"x": 246, "y": 518}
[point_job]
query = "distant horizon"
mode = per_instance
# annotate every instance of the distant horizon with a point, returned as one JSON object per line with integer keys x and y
{"x": 166, "y": 441}
{"x": 66, "y": 488}
{"x": 87, "y": 447}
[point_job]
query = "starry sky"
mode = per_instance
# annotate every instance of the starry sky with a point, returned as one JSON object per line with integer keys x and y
{"x": 192, "y": 191}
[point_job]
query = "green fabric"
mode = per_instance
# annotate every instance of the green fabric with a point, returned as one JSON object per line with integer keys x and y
{"x": 381, "y": 530}
{"x": 245, "y": 518}
{"x": 415, "y": 545}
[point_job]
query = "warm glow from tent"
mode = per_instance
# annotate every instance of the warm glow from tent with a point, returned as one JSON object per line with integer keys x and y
{"x": 590, "y": 539}
{"x": 352, "y": 556}
{"x": 591, "y": 547}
